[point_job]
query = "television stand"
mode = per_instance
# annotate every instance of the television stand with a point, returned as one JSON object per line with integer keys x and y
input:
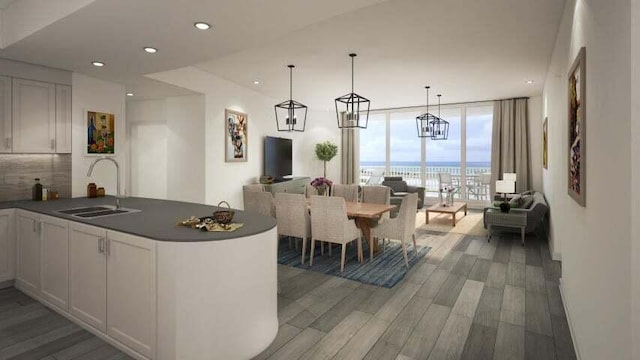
{"x": 295, "y": 185}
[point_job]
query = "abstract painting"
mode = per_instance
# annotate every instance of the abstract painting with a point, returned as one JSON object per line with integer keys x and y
{"x": 235, "y": 136}
{"x": 545, "y": 143}
{"x": 100, "y": 133}
{"x": 577, "y": 129}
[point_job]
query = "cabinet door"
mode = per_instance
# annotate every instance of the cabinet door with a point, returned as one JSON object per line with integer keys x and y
{"x": 55, "y": 261}
{"x": 63, "y": 119}
{"x": 88, "y": 274}
{"x": 28, "y": 229}
{"x": 131, "y": 291}
{"x": 34, "y": 116}
{"x": 7, "y": 245}
{"x": 5, "y": 114}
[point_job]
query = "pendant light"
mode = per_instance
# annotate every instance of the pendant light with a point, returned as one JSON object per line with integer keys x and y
{"x": 287, "y": 111}
{"x": 352, "y": 110}
{"x": 439, "y": 126}
{"x": 423, "y": 122}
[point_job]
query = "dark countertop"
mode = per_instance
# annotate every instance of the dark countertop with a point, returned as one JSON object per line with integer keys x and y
{"x": 157, "y": 219}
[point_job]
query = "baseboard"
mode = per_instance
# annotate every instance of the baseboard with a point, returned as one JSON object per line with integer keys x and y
{"x": 566, "y": 311}
{"x": 125, "y": 349}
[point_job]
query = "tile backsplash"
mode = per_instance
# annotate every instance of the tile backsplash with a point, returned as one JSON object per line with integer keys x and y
{"x": 17, "y": 174}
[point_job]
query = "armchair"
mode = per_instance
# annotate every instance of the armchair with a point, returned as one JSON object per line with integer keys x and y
{"x": 399, "y": 189}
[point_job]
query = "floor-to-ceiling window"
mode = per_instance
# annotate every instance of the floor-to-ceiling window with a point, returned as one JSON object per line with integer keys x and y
{"x": 390, "y": 146}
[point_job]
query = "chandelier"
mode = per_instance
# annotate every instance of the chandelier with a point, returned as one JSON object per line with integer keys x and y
{"x": 352, "y": 110}
{"x": 287, "y": 111}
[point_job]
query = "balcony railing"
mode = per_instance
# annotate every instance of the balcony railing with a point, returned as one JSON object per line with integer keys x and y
{"x": 411, "y": 174}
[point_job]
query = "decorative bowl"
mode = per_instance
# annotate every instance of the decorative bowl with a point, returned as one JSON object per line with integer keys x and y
{"x": 223, "y": 217}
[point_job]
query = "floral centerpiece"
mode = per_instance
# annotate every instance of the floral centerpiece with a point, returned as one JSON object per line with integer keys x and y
{"x": 321, "y": 184}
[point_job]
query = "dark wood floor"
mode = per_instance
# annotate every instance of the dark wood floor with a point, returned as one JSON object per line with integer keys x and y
{"x": 28, "y": 330}
{"x": 468, "y": 299}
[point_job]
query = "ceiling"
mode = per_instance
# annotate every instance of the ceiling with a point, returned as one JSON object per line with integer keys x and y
{"x": 468, "y": 50}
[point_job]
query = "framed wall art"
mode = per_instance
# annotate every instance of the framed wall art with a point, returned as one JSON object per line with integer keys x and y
{"x": 545, "y": 143}
{"x": 236, "y": 139}
{"x": 101, "y": 133}
{"x": 577, "y": 147}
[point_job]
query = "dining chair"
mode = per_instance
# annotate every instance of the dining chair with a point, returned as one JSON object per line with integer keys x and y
{"x": 329, "y": 223}
{"x": 348, "y": 192}
{"x": 377, "y": 194}
{"x": 292, "y": 216}
{"x": 253, "y": 187}
{"x": 310, "y": 191}
{"x": 260, "y": 202}
{"x": 402, "y": 227}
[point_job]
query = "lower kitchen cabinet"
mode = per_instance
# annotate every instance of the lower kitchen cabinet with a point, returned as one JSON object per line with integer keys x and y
{"x": 88, "y": 274}
{"x": 7, "y": 245}
{"x": 28, "y": 243}
{"x": 54, "y": 263}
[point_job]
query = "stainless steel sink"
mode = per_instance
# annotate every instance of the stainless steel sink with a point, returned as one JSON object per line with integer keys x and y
{"x": 93, "y": 212}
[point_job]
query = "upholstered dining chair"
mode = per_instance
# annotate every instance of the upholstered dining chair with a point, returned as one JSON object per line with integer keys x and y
{"x": 348, "y": 192}
{"x": 402, "y": 227}
{"x": 260, "y": 202}
{"x": 329, "y": 223}
{"x": 310, "y": 191}
{"x": 377, "y": 194}
{"x": 293, "y": 218}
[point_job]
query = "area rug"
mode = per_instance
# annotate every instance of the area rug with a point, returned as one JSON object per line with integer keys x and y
{"x": 386, "y": 269}
{"x": 470, "y": 224}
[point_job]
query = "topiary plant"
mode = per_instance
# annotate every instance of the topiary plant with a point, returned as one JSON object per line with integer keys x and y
{"x": 326, "y": 151}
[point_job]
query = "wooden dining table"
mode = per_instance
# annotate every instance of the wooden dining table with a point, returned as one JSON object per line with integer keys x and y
{"x": 363, "y": 213}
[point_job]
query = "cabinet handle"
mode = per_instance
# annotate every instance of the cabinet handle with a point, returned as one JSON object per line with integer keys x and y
{"x": 40, "y": 227}
{"x": 100, "y": 246}
{"x": 108, "y": 247}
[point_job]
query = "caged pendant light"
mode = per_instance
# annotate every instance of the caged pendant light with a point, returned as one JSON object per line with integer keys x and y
{"x": 439, "y": 126}
{"x": 287, "y": 111}
{"x": 352, "y": 110}
{"x": 423, "y": 122}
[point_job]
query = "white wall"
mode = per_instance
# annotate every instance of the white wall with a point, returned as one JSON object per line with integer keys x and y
{"x": 535, "y": 141}
{"x": 97, "y": 95}
{"x": 594, "y": 240}
{"x": 635, "y": 176}
{"x": 224, "y": 180}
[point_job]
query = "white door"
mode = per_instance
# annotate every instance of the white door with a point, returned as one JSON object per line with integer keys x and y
{"x": 63, "y": 119}
{"x": 28, "y": 240}
{"x": 34, "y": 116}
{"x": 55, "y": 261}
{"x": 7, "y": 245}
{"x": 5, "y": 114}
{"x": 131, "y": 291}
{"x": 88, "y": 274}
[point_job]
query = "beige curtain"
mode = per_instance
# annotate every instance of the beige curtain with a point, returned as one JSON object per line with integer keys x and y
{"x": 349, "y": 155}
{"x": 510, "y": 142}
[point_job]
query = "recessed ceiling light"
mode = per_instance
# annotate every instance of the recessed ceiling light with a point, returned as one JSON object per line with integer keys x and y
{"x": 529, "y": 82}
{"x": 150, "y": 50}
{"x": 97, "y": 63}
{"x": 256, "y": 82}
{"x": 202, "y": 26}
{"x": 130, "y": 94}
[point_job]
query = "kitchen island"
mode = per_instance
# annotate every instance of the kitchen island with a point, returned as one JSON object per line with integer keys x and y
{"x": 169, "y": 292}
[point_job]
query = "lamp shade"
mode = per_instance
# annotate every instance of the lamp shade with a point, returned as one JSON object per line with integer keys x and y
{"x": 505, "y": 186}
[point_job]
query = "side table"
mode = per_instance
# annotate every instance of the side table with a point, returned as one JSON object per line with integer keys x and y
{"x": 512, "y": 219}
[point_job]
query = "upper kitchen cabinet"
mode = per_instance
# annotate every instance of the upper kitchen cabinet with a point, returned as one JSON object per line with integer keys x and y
{"x": 34, "y": 116}
{"x": 5, "y": 114}
{"x": 63, "y": 118}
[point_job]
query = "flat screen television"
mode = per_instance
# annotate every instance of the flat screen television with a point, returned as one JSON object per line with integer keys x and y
{"x": 278, "y": 157}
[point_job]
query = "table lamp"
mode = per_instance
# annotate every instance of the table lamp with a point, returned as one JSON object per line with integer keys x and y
{"x": 505, "y": 187}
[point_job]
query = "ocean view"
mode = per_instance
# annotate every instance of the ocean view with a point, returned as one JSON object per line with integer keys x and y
{"x": 470, "y": 164}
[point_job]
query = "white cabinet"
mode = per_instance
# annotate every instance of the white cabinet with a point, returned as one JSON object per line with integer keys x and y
{"x": 88, "y": 274}
{"x": 63, "y": 119}
{"x": 5, "y": 114}
{"x": 7, "y": 245}
{"x": 28, "y": 239}
{"x": 34, "y": 116}
{"x": 131, "y": 291}
{"x": 54, "y": 263}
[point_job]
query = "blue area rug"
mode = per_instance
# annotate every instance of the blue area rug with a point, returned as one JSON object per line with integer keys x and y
{"x": 386, "y": 269}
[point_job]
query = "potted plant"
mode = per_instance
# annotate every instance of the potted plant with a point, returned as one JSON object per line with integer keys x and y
{"x": 326, "y": 151}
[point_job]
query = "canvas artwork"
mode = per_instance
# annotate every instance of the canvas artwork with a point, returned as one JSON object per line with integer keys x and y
{"x": 236, "y": 136}
{"x": 577, "y": 129}
{"x": 100, "y": 133}
{"x": 545, "y": 143}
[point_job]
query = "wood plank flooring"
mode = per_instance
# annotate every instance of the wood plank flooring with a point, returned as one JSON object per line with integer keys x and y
{"x": 28, "y": 330}
{"x": 467, "y": 299}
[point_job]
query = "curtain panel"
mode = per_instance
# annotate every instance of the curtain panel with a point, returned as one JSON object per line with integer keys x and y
{"x": 349, "y": 156}
{"x": 510, "y": 151}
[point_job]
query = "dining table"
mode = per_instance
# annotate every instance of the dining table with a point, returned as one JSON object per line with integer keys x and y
{"x": 363, "y": 213}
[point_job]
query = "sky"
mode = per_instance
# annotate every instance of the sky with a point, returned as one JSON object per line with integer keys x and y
{"x": 405, "y": 144}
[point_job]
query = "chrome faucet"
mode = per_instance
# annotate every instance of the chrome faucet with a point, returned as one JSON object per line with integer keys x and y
{"x": 93, "y": 164}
